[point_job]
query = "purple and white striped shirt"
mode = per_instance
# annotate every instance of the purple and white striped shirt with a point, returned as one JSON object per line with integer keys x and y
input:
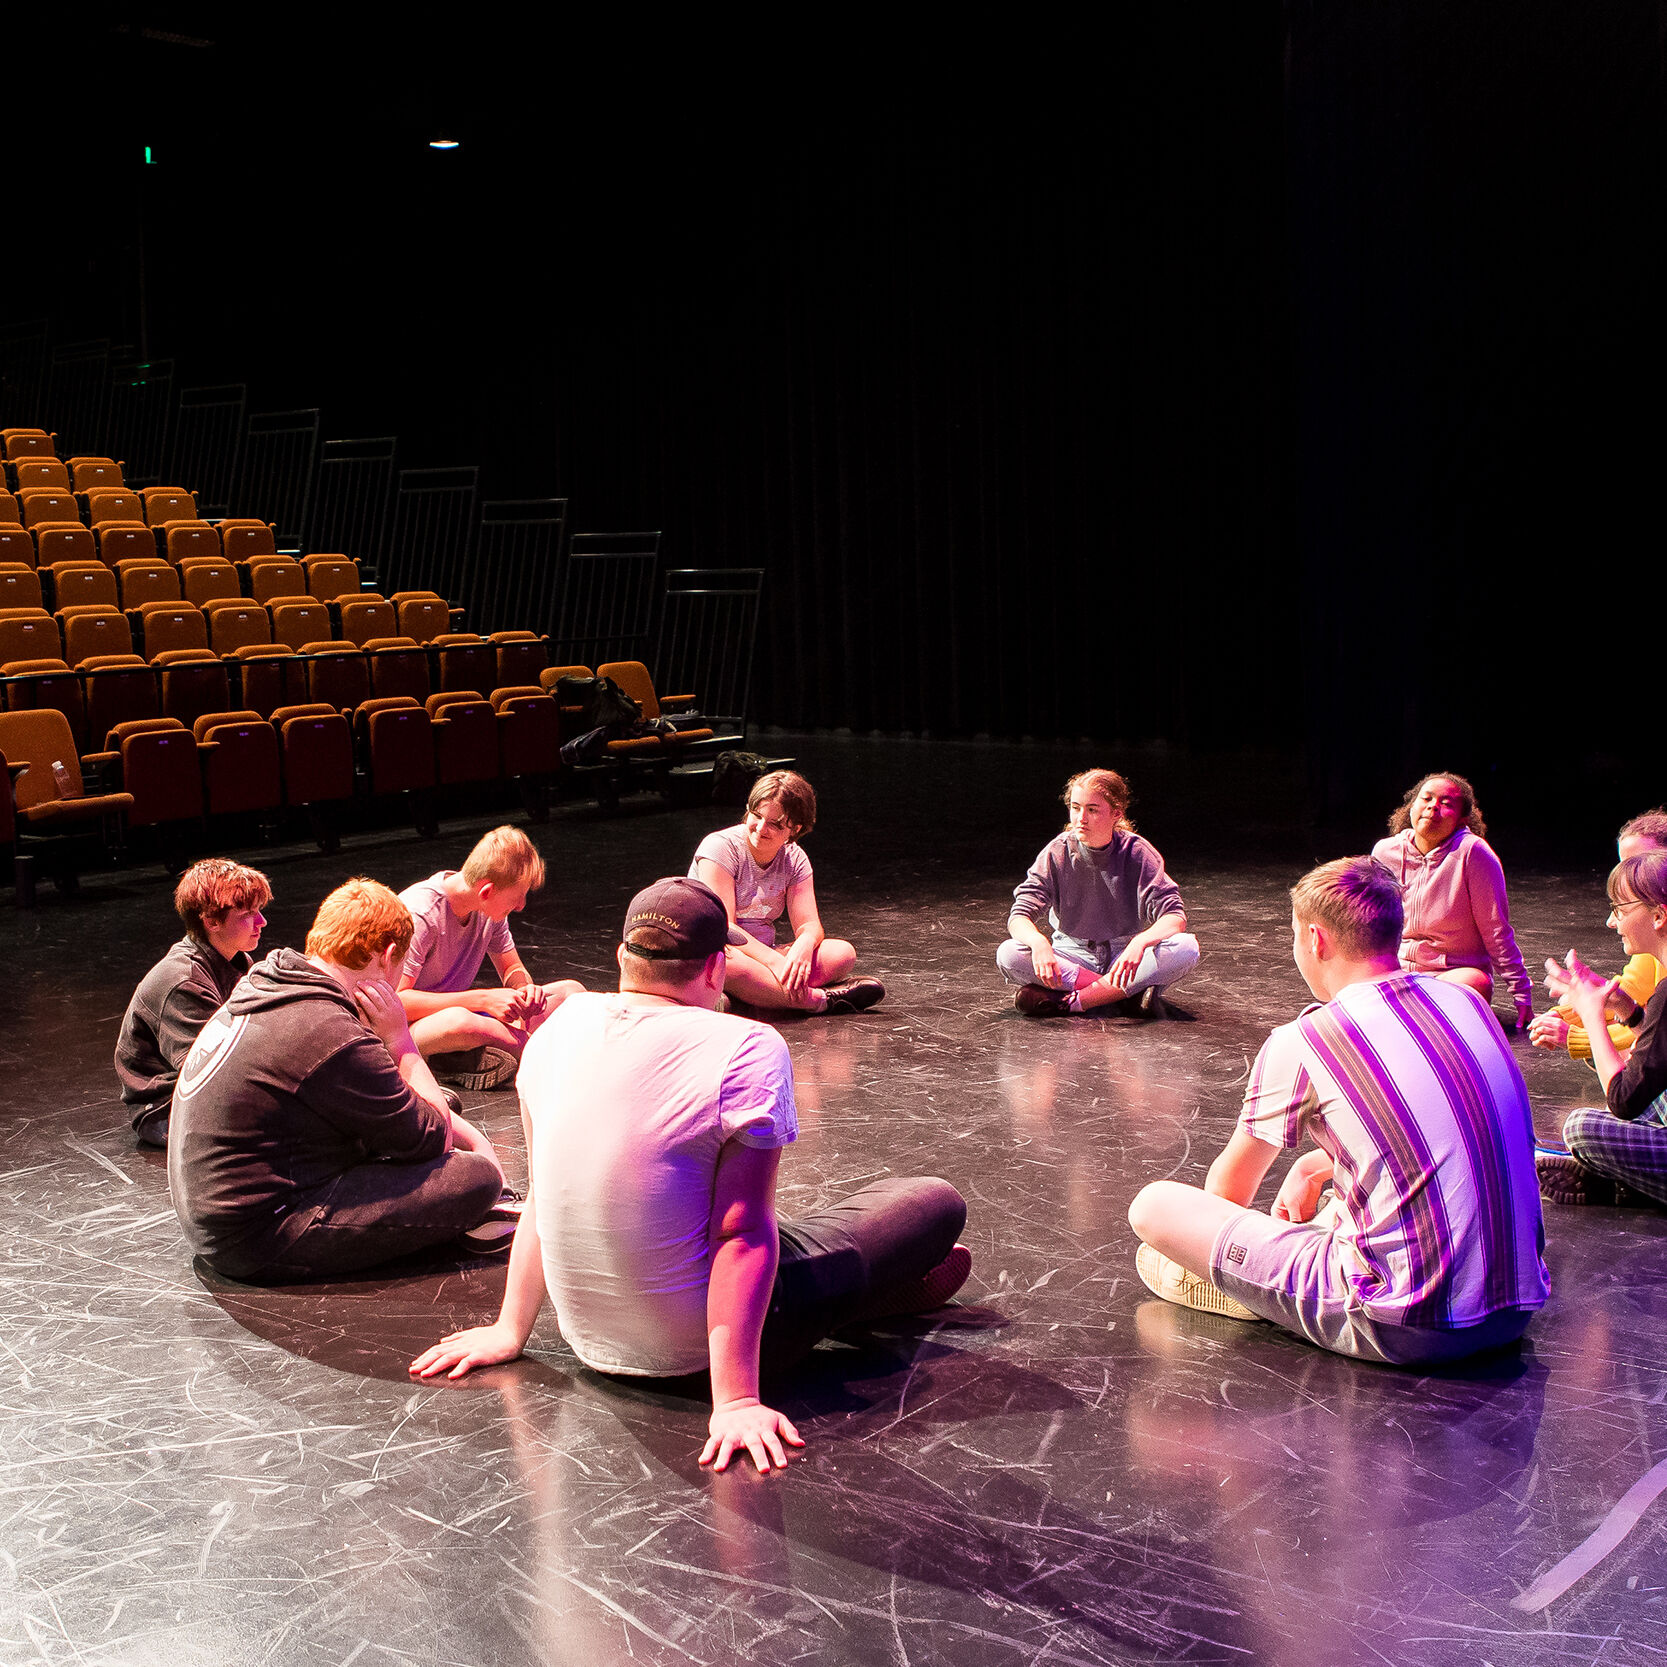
{"x": 1407, "y": 1083}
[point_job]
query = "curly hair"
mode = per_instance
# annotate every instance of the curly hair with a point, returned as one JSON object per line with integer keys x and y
{"x": 1470, "y": 813}
{"x": 1103, "y": 784}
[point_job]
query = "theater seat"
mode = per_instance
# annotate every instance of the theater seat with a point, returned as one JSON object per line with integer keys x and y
{"x": 267, "y": 577}
{"x": 396, "y": 744}
{"x": 465, "y": 731}
{"x": 242, "y": 540}
{"x": 299, "y": 619}
{"x": 206, "y": 579}
{"x": 464, "y": 661}
{"x": 191, "y": 681}
{"x": 94, "y": 474}
{"x": 236, "y": 624}
{"x": 49, "y": 794}
{"x": 267, "y": 676}
{"x": 364, "y": 616}
{"x": 20, "y": 586}
{"x": 118, "y": 688}
{"x": 165, "y": 626}
{"x": 397, "y": 667}
{"x": 529, "y": 732}
{"x": 180, "y": 540}
{"x": 331, "y": 577}
{"x": 159, "y": 769}
{"x": 317, "y": 749}
{"x": 36, "y": 472}
{"x": 240, "y": 762}
{"x": 168, "y": 503}
{"x": 337, "y": 675}
{"x": 522, "y": 658}
{"x": 47, "y": 684}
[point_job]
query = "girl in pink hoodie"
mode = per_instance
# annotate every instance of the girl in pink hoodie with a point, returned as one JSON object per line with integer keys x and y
{"x": 1458, "y": 923}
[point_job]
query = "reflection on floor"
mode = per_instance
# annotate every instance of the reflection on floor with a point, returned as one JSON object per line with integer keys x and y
{"x": 1059, "y": 1470}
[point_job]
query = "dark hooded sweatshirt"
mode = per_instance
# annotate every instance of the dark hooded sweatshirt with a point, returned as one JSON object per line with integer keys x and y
{"x": 285, "y": 1090}
{"x": 175, "y": 999}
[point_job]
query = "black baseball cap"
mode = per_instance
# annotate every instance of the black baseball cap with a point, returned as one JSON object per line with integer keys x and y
{"x": 690, "y": 914}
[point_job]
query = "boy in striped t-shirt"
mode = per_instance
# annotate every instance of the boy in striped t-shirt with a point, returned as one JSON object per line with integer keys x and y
{"x": 1430, "y": 1247}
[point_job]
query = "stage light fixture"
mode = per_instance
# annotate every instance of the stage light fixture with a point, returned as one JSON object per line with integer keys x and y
{"x": 443, "y": 144}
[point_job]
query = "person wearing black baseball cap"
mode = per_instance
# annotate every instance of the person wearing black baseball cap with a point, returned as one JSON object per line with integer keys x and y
{"x": 654, "y": 1127}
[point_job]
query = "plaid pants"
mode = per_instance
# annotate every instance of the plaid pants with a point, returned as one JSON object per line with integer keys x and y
{"x": 1634, "y": 1152}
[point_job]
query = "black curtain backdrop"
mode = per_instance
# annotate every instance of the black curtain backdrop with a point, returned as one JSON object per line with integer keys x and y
{"x": 1242, "y": 376}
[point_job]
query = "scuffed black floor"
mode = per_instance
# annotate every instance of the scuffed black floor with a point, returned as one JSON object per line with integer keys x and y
{"x": 1065, "y": 1471}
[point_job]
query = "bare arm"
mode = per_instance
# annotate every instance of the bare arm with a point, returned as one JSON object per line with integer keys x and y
{"x": 800, "y": 959}
{"x": 491, "y": 1345}
{"x": 745, "y": 1247}
{"x": 1240, "y": 1167}
{"x": 419, "y": 1004}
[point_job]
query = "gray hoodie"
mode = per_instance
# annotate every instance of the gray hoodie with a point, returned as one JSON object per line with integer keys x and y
{"x": 284, "y": 1090}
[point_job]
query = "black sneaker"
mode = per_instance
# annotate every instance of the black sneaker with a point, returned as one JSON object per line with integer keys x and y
{"x": 1036, "y": 1001}
{"x": 497, "y": 1230}
{"x": 476, "y": 1070}
{"x": 855, "y": 995}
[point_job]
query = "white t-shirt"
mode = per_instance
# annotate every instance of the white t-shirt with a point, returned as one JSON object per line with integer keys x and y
{"x": 760, "y": 893}
{"x": 629, "y": 1106}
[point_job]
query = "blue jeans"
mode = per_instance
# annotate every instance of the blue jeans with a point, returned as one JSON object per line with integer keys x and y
{"x": 836, "y": 1263}
{"x": 1165, "y": 964}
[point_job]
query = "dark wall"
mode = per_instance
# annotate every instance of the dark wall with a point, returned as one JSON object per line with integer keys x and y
{"x": 1265, "y": 376}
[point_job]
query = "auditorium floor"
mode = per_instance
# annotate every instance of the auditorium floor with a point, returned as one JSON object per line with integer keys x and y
{"x": 1061, "y": 1469}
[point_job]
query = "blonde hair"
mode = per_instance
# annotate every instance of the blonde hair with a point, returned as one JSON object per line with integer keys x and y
{"x": 1356, "y": 900}
{"x": 357, "y": 922}
{"x": 505, "y": 857}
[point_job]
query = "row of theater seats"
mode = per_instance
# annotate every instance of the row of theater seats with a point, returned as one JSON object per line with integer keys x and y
{"x": 150, "y": 772}
{"x": 33, "y": 503}
{"x": 83, "y": 663}
{"x": 156, "y": 608}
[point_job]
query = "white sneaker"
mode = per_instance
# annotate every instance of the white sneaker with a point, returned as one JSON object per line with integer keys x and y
{"x": 1169, "y": 1280}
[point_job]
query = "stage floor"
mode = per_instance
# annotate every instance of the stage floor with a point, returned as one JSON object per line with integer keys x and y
{"x": 1062, "y": 1469}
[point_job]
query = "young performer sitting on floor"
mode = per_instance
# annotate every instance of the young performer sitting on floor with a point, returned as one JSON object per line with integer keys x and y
{"x": 220, "y": 903}
{"x": 1458, "y": 921}
{"x": 1431, "y": 1245}
{"x": 1619, "y": 1151}
{"x": 1562, "y": 1027}
{"x": 473, "y": 1037}
{"x": 654, "y": 1127}
{"x": 309, "y": 1137}
{"x": 1118, "y": 925}
{"x": 760, "y": 870}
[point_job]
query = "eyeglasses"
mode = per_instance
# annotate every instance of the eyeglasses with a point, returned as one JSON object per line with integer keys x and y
{"x": 1615, "y": 909}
